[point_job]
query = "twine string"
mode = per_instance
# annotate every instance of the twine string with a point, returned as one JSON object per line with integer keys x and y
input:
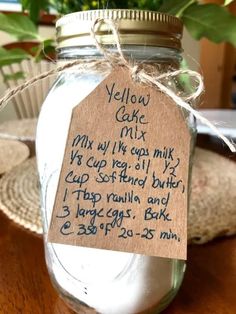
{"x": 137, "y": 72}
{"x": 187, "y": 107}
{"x": 82, "y": 67}
{"x": 110, "y": 57}
{"x": 156, "y": 80}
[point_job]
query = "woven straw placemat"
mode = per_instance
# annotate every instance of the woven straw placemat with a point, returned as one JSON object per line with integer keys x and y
{"x": 22, "y": 130}
{"x": 12, "y": 153}
{"x": 19, "y": 196}
{"x": 212, "y": 206}
{"x": 213, "y": 199}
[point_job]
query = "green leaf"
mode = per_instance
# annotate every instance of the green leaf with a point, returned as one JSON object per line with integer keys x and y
{"x": 211, "y": 21}
{"x": 15, "y": 76}
{"x": 148, "y": 4}
{"x": 174, "y": 7}
{"x": 34, "y": 8}
{"x": 43, "y": 49}
{"x": 184, "y": 79}
{"x": 25, "y": 3}
{"x": 43, "y": 45}
{"x": 12, "y": 56}
{"x": 48, "y": 42}
{"x": 227, "y": 2}
{"x": 19, "y": 26}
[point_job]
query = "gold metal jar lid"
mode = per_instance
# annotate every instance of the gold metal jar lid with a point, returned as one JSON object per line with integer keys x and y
{"x": 135, "y": 27}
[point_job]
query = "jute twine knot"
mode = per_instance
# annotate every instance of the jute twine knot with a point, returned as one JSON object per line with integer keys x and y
{"x": 138, "y": 72}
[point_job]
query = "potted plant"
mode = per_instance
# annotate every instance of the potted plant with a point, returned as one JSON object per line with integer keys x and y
{"x": 212, "y": 21}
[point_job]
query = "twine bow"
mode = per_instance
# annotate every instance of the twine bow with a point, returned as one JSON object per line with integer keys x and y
{"x": 113, "y": 59}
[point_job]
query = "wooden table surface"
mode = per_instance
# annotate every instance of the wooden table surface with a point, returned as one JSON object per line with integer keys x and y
{"x": 209, "y": 285}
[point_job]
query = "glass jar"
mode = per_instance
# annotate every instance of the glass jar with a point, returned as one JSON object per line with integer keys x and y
{"x": 94, "y": 280}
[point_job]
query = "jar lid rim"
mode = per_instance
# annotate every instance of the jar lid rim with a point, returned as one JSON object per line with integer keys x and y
{"x": 134, "y": 27}
{"x": 120, "y": 14}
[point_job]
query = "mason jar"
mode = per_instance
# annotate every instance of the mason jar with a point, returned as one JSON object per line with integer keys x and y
{"x": 95, "y": 280}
